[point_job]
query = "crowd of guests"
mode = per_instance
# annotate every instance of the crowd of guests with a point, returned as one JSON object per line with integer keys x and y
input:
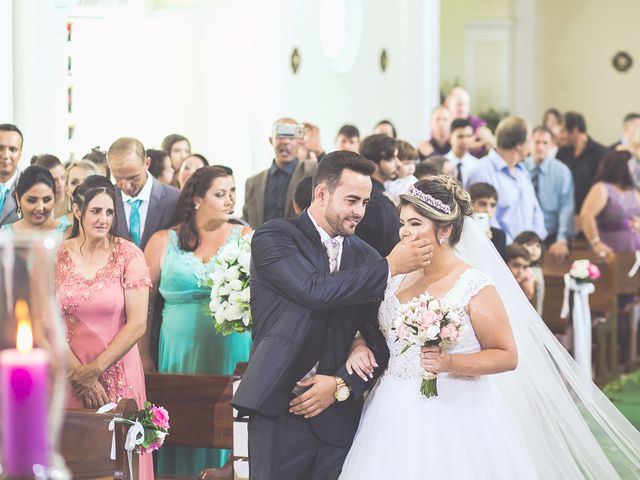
{"x": 143, "y": 227}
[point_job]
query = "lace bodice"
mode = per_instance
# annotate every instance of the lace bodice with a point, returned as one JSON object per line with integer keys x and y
{"x": 407, "y": 365}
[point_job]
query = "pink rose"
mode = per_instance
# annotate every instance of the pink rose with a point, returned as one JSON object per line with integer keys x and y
{"x": 403, "y": 331}
{"x": 160, "y": 417}
{"x": 429, "y": 317}
{"x": 155, "y": 445}
{"x": 449, "y": 332}
{"x": 594, "y": 272}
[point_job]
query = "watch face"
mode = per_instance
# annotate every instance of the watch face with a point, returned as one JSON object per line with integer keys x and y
{"x": 342, "y": 394}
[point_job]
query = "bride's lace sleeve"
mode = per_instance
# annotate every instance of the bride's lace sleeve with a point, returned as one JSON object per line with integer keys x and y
{"x": 476, "y": 281}
{"x": 136, "y": 271}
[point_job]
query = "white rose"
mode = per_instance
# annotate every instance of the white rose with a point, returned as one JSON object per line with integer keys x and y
{"x": 244, "y": 260}
{"x": 233, "y": 273}
{"x": 230, "y": 252}
{"x": 245, "y": 295}
{"x": 217, "y": 276}
{"x": 214, "y": 305}
{"x": 236, "y": 285}
{"x": 580, "y": 269}
{"x": 432, "y": 332}
{"x": 234, "y": 297}
{"x": 224, "y": 290}
{"x": 233, "y": 312}
{"x": 434, "y": 305}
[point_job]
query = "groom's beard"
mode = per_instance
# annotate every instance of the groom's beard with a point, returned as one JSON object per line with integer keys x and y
{"x": 342, "y": 226}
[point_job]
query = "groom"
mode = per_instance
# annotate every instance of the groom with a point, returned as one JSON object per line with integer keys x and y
{"x": 313, "y": 286}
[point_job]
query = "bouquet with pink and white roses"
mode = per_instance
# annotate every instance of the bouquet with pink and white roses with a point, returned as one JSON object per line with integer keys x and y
{"x": 155, "y": 423}
{"x": 422, "y": 322}
{"x": 583, "y": 271}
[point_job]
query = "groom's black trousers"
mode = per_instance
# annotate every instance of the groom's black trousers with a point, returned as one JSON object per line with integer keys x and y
{"x": 285, "y": 448}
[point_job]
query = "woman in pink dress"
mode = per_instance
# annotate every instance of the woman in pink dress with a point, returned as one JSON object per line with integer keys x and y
{"x": 103, "y": 289}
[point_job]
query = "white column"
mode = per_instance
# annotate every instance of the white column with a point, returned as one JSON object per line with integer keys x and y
{"x": 525, "y": 61}
{"x": 6, "y": 54}
{"x": 39, "y": 69}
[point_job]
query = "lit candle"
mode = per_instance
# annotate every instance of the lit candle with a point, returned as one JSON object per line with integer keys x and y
{"x": 24, "y": 401}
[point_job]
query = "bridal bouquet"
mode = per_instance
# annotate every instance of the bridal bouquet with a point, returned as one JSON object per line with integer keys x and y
{"x": 229, "y": 282}
{"x": 583, "y": 271}
{"x": 149, "y": 427}
{"x": 422, "y": 322}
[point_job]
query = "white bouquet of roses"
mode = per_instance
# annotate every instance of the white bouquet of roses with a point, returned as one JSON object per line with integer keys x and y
{"x": 229, "y": 282}
{"x": 423, "y": 322}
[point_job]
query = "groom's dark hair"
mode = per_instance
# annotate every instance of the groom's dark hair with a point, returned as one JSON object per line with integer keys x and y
{"x": 332, "y": 165}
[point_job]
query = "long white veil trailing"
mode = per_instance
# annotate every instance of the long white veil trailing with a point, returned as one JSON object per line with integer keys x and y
{"x": 572, "y": 430}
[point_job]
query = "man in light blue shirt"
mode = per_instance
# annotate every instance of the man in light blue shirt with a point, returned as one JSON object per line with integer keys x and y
{"x": 553, "y": 184}
{"x": 518, "y": 209}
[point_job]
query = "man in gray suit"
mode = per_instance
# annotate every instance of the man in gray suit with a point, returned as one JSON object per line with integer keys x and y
{"x": 269, "y": 194}
{"x": 11, "y": 141}
{"x": 143, "y": 206}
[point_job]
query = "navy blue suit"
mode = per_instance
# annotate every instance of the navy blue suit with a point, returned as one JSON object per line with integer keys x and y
{"x": 305, "y": 315}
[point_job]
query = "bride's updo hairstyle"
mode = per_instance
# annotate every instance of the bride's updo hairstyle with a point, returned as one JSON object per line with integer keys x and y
{"x": 443, "y": 200}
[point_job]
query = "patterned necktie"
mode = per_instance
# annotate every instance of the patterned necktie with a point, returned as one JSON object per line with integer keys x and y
{"x": 535, "y": 179}
{"x": 134, "y": 220}
{"x": 3, "y": 195}
{"x": 333, "y": 251}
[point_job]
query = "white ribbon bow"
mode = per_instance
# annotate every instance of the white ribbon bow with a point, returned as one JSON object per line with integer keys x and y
{"x": 581, "y": 320}
{"x": 135, "y": 436}
{"x": 636, "y": 265}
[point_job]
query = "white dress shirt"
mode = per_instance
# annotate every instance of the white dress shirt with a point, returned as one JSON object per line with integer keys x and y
{"x": 145, "y": 196}
{"x": 468, "y": 162}
{"x": 9, "y": 183}
{"x": 325, "y": 238}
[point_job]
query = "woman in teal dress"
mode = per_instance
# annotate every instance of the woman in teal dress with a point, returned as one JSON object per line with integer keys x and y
{"x": 35, "y": 198}
{"x": 178, "y": 259}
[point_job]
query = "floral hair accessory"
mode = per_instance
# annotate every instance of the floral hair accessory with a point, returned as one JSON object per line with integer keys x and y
{"x": 429, "y": 200}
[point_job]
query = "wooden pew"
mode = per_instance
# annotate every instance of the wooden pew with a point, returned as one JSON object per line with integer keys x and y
{"x": 603, "y": 303}
{"x": 199, "y": 410}
{"x": 629, "y": 313}
{"x": 86, "y": 443}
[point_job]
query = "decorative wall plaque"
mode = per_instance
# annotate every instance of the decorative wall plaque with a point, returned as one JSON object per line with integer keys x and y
{"x": 295, "y": 60}
{"x": 622, "y": 61}
{"x": 384, "y": 59}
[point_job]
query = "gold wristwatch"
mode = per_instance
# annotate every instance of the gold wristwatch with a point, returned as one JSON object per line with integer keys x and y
{"x": 342, "y": 390}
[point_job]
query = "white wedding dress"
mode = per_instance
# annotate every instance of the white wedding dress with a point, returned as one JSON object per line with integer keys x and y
{"x": 544, "y": 420}
{"x": 466, "y": 432}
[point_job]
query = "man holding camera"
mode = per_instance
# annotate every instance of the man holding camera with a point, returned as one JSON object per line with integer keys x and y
{"x": 269, "y": 194}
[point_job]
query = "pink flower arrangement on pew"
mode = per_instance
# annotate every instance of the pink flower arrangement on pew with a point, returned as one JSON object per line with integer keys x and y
{"x": 583, "y": 271}
{"x": 152, "y": 424}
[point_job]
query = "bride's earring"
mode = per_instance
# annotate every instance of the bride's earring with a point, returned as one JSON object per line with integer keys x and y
{"x": 197, "y": 207}
{"x": 442, "y": 239}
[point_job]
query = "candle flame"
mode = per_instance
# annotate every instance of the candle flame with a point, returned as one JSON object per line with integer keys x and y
{"x": 24, "y": 340}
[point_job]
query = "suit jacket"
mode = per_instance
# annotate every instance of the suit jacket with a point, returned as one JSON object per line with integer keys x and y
{"x": 9, "y": 212}
{"x": 162, "y": 206}
{"x": 303, "y": 315}
{"x": 253, "y": 210}
{"x": 380, "y": 226}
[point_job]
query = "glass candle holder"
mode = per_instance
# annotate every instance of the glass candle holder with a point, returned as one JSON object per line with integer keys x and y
{"x": 32, "y": 358}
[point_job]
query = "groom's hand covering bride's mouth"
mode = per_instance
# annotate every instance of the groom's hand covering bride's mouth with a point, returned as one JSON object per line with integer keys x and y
{"x": 412, "y": 253}
{"x": 315, "y": 400}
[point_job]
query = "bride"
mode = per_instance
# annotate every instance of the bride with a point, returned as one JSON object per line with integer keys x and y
{"x": 511, "y": 403}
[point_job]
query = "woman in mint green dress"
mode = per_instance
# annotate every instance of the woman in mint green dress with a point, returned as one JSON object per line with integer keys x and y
{"x": 178, "y": 259}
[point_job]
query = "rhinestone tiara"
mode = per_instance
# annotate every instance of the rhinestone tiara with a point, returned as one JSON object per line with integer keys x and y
{"x": 429, "y": 200}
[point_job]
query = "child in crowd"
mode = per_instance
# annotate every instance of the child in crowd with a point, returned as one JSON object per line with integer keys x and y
{"x": 348, "y": 138}
{"x": 518, "y": 261}
{"x": 407, "y": 156}
{"x": 532, "y": 242}
{"x": 484, "y": 198}
{"x": 302, "y": 195}
{"x": 433, "y": 166}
